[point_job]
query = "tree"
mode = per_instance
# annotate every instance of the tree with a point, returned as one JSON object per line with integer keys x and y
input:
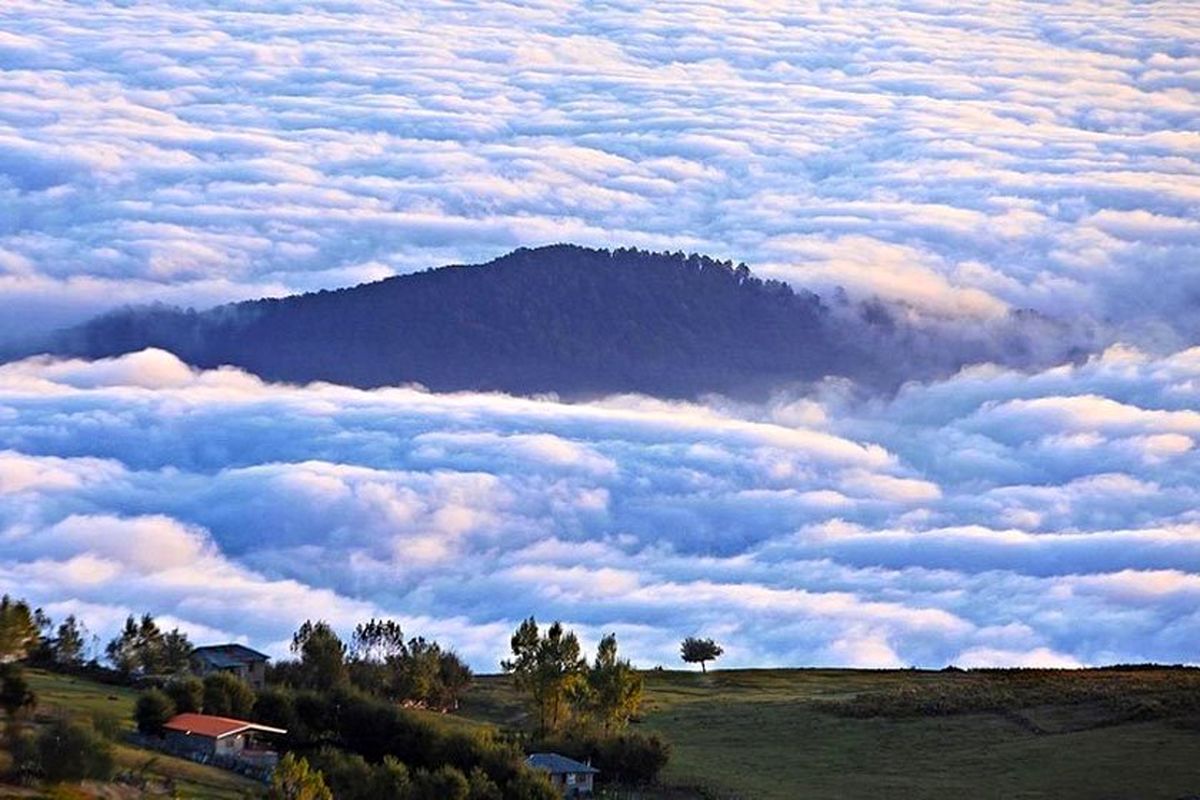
{"x": 322, "y": 655}
{"x": 530, "y": 785}
{"x": 694, "y": 650}
{"x": 227, "y": 695}
{"x": 18, "y": 629}
{"x": 550, "y": 668}
{"x": 149, "y": 646}
{"x": 67, "y": 647}
{"x": 15, "y": 694}
{"x": 443, "y": 783}
{"x": 153, "y": 709}
{"x": 176, "y": 652}
{"x": 454, "y": 676}
{"x": 293, "y": 779}
{"x": 391, "y": 779}
{"x": 187, "y": 693}
{"x": 377, "y": 641}
{"x": 481, "y": 787}
{"x": 122, "y": 649}
{"x": 615, "y": 687}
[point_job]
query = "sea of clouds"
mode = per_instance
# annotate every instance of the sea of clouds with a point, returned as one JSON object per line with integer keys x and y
{"x": 964, "y": 161}
{"x": 993, "y": 518}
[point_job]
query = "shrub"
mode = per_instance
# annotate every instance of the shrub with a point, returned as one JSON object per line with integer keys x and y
{"x": 481, "y": 787}
{"x": 293, "y": 779}
{"x": 391, "y": 779}
{"x": 274, "y": 706}
{"x": 187, "y": 693}
{"x": 348, "y": 775}
{"x": 227, "y": 695}
{"x": 15, "y": 694}
{"x": 69, "y": 750}
{"x": 26, "y": 758}
{"x": 443, "y": 783}
{"x": 530, "y": 785}
{"x": 107, "y": 724}
{"x": 152, "y": 711}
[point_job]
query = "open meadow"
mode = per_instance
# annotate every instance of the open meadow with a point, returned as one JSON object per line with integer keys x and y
{"x": 790, "y": 733}
{"x": 774, "y": 734}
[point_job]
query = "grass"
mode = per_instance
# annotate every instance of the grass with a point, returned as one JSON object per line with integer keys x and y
{"x": 772, "y": 734}
{"x": 775, "y": 734}
{"x": 76, "y": 696}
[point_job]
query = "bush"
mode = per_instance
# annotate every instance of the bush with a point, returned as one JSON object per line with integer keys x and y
{"x": 443, "y": 783}
{"x": 152, "y": 711}
{"x": 69, "y": 750}
{"x": 227, "y": 695}
{"x": 187, "y": 693}
{"x": 15, "y": 694}
{"x": 26, "y": 758}
{"x": 530, "y": 785}
{"x": 107, "y": 724}
{"x": 274, "y": 707}
{"x": 294, "y": 780}
{"x": 391, "y": 779}
{"x": 348, "y": 775}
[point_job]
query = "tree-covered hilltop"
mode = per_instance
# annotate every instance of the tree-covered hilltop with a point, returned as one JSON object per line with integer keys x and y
{"x": 566, "y": 319}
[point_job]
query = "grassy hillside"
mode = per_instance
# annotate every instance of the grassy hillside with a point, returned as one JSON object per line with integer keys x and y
{"x": 65, "y": 694}
{"x": 764, "y": 734}
{"x": 775, "y": 734}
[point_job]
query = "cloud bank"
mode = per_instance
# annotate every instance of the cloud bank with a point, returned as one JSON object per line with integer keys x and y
{"x": 965, "y": 161}
{"x": 992, "y": 518}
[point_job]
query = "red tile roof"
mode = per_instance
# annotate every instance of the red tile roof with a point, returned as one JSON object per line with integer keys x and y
{"x": 214, "y": 727}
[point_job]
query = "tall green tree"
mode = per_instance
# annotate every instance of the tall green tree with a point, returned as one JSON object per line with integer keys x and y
{"x": 614, "y": 687}
{"x": 176, "y": 651}
{"x": 15, "y": 694}
{"x": 550, "y": 668}
{"x": 142, "y": 648}
{"x": 377, "y": 641}
{"x": 122, "y": 650}
{"x": 67, "y": 647}
{"x": 227, "y": 695}
{"x": 18, "y": 629}
{"x": 322, "y": 655}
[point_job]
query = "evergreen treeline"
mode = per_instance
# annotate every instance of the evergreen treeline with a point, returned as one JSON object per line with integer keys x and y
{"x": 571, "y": 320}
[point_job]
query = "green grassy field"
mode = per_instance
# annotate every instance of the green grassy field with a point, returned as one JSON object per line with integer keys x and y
{"x": 774, "y": 734}
{"x": 760, "y": 734}
{"x": 65, "y": 694}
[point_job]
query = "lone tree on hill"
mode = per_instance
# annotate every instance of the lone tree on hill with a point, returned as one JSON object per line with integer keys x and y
{"x": 694, "y": 650}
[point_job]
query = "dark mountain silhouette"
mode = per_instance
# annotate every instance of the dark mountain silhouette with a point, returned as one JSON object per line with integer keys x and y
{"x": 565, "y": 319}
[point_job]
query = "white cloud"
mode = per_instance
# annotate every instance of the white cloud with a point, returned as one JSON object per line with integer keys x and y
{"x": 914, "y": 531}
{"x": 964, "y": 163}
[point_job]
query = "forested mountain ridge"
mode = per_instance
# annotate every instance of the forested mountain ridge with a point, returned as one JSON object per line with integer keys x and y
{"x": 567, "y": 319}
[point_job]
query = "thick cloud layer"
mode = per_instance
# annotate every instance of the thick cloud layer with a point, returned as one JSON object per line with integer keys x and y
{"x": 963, "y": 160}
{"x": 996, "y": 517}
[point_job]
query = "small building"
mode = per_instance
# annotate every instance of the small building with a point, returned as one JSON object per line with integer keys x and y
{"x": 244, "y": 662}
{"x": 223, "y": 740}
{"x": 570, "y": 777}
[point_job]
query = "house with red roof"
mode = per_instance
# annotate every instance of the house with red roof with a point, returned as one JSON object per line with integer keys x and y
{"x": 223, "y": 740}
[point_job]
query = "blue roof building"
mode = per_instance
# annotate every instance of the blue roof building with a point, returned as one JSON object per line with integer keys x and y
{"x": 572, "y": 778}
